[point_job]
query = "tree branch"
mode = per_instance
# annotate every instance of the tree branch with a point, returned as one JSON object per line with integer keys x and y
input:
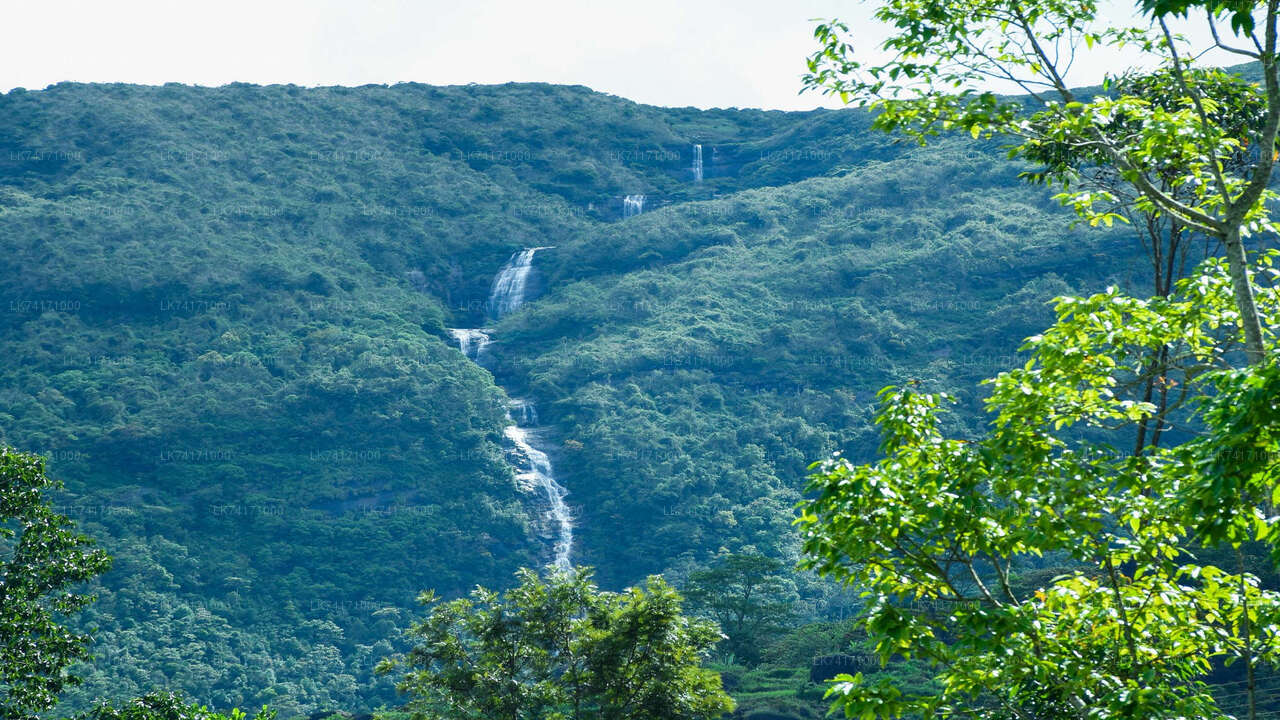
{"x": 1213, "y": 28}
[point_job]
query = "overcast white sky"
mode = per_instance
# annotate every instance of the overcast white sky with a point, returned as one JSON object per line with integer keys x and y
{"x": 705, "y": 53}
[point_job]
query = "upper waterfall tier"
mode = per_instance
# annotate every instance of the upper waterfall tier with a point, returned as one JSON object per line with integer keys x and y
{"x": 509, "y": 287}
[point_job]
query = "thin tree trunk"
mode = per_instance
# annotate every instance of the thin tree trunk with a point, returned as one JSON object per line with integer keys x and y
{"x": 1246, "y": 629}
{"x": 1237, "y": 264}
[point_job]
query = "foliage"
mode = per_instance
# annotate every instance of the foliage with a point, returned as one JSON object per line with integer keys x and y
{"x": 749, "y": 596}
{"x": 43, "y": 562}
{"x": 942, "y": 530}
{"x": 561, "y": 648}
{"x": 1197, "y": 146}
{"x": 162, "y": 705}
{"x": 1188, "y": 150}
{"x": 782, "y": 686}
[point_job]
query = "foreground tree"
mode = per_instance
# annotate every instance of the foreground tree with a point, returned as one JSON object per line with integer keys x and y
{"x": 164, "y": 705}
{"x": 42, "y": 560}
{"x": 951, "y": 538}
{"x": 561, "y": 648}
{"x": 954, "y": 539}
{"x": 1196, "y": 147}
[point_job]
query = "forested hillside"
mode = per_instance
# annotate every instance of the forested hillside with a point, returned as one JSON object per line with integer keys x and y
{"x": 226, "y": 326}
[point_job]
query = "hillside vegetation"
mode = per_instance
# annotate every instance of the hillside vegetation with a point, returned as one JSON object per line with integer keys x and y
{"x": 226, "y": 328}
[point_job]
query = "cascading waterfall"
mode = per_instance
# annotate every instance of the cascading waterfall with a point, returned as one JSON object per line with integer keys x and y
{"x": 632, "y": 205}
{"x": 472, "y": 343}
{"x": 697, "y": 163}
{"x": 533, "y": 468}
{"x": 507, "y": 292}
{"x": 537, "y": 474}
{"x": 526, "y": 414}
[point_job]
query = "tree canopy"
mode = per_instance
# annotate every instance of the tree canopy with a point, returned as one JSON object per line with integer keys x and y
{"x": 750, "y": 596}
{"x": 945, "y": 57}
{"x": 951, "y": 537}
{"x": 561, "y": 648}
{"x": 43, "y": 563}
{"x": 1037, "y": 567}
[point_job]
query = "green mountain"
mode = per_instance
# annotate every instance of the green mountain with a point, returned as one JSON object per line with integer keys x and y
{"x": 227, "y": 327}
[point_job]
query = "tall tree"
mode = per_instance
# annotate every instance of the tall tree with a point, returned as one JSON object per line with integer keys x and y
{"x": 1194, "y": 148}
{"x": 950, "y": 536}
{"x": 561, "y": 648}
{"x": 945, "y": 57}
{"x": 42, "y": 560}
{"x": 749, "y": 596}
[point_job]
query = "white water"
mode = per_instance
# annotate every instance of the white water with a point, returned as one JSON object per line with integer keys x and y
{"x": 507, "y": 292}
{"x": 472, "y": 343}
{"x": 533, "y": 469}
{"x": 526, "y": 415}
{"x": 697, "y": 163}
{"x": 632, "y": 205}
{"x": 537, "y": 474}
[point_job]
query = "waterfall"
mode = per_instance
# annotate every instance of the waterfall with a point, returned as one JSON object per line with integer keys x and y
{"x": 507, "y": 292}
{"x": 632, "y": 205}
{"x": 697, "y": 163}
{"x": 472, "y": 343}
{"x": 526, "y": 414}
{"x": 533, "y": 468}
{"x": 538, "y": 475}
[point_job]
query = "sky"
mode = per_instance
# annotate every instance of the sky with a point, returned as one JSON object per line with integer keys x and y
{"x": 702, "y": 53}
